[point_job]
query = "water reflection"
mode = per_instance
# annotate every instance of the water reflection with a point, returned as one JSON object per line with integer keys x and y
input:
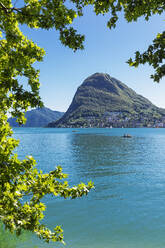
{"x": 104, "y": 159}
{"x": 127, "y": 207}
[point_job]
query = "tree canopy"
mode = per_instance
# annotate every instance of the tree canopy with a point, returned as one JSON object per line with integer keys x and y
{"x": 20, "y": 179}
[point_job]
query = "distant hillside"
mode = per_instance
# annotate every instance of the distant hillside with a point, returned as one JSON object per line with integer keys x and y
{"x": 39, "y": 117}
{"x": 103, "y": 101}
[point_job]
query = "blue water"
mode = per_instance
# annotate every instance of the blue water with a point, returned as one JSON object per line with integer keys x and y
{"x": 127, "y": 207}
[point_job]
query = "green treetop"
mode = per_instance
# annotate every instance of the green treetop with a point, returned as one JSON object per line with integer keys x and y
{"x": 19, "y": 179}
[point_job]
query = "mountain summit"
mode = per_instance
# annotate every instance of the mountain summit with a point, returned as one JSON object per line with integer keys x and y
{"x": 102, "y": 100}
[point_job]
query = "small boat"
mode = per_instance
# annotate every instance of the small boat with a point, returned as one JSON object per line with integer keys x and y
{"x": 127, "y": 136}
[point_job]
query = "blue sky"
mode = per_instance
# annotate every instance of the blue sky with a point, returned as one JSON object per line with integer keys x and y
{"x": 107, "y": 51}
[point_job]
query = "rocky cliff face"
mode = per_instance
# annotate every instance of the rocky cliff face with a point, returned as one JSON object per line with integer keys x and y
{"x": 100, "y": 98}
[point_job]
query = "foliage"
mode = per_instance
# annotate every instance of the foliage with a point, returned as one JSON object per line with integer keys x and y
{"x": 22, "y": 186}
{"x": 101, "y": 94}
{"x": 6, "y": 238}
{"x": 154, "y": 55}
{"x": 10, "y": 240}
{"x": 39, "y": 117}
{"x": 20, "y": 180}
{"x": 133, "y": 10}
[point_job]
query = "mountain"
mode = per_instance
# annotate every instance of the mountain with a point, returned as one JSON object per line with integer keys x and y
{"x": 38, "y": 117}
{"x": 103, "y": 101}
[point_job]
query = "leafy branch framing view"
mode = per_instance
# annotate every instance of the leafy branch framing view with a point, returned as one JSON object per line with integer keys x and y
{"x": 19, "y": 179}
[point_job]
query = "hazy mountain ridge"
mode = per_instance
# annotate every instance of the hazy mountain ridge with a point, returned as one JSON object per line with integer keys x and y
{"x": 39, "y": 117}
{"x": 100, "y": 97}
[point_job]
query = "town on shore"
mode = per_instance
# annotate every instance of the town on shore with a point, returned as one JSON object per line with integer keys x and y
{"x": 118, "y": 120}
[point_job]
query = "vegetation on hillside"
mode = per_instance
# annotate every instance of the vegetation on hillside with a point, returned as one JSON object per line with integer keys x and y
{"x": 19, "y": 179}
{"x": 100, "y": 97}
{"x": 39, "y": 117}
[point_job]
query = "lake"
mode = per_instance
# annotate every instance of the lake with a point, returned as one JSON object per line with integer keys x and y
{"x": 127, "y": 207}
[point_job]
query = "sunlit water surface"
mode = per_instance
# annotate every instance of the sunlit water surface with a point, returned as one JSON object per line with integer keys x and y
{"x": 127, "y": 207}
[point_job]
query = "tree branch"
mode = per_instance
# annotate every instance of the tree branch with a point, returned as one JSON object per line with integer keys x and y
{"x": 9, "y": 10}
{"x": 3, "y": 7}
